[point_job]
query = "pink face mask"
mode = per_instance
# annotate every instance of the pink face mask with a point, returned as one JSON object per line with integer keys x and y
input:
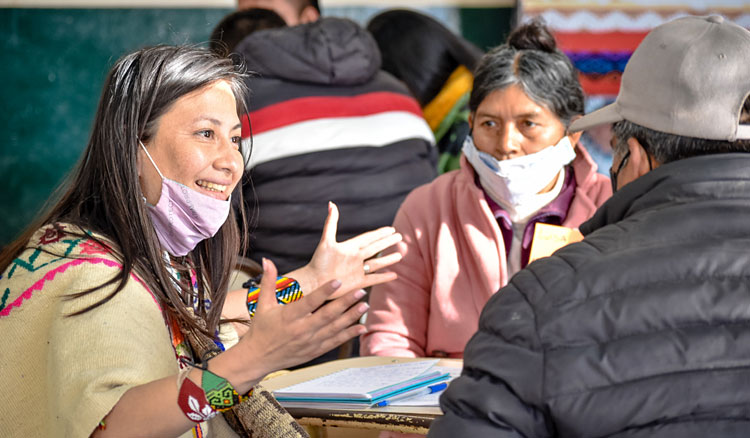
{"x": 183, "y": 217}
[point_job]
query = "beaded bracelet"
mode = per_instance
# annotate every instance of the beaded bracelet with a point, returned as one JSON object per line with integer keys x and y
{"x": 287, "y": 291}
{"x": 220, "y": 394}
{"x": 193, "y": 403}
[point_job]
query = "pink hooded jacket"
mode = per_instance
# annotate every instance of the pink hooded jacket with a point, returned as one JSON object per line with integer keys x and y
{"x": 453, "y": 261}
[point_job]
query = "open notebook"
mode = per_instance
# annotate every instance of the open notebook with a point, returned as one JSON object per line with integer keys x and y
{"x": 362, "y": 386}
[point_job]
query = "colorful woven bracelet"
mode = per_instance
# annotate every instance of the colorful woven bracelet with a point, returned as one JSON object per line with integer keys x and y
{"x": 193, "y": 403}
{"x": 220, "y": 394}
{"x": 215, "y": 395}
{"x": 287, "y": 290}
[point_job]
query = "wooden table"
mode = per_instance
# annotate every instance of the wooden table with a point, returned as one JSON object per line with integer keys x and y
{"x": 407, "y": 419}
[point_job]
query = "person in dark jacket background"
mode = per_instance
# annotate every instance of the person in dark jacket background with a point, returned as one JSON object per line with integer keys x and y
{"x": 293, "y": 12}
{"x": 436, "y": 64}
{"x": 643, "y": 328}
{"x": 234, "y": 27}
{"x": 327, "y": 125}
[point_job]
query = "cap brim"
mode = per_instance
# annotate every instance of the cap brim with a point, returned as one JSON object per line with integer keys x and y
{"x": 604, "y": 115}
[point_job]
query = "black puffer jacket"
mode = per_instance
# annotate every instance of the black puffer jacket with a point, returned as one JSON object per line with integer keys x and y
{"x": 328, "y": 125}
{"x": 640, "y": 330}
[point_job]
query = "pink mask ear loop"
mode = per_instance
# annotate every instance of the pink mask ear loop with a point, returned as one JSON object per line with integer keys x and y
{"x": 151, "y": 159}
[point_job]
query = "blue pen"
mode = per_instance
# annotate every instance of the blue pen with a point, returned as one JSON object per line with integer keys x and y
{"x": 416, "y": 393}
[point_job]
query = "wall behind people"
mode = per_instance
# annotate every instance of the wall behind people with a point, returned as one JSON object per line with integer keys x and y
{"x": 53, "y": 62}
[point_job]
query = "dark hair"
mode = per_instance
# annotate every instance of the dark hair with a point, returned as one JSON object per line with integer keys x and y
{"x": 234, "y": 27}
{"x": 745, "y": 114}
{"x": 665, "y": 147}
{"x": 530, "y": 58}
{"x": 103, "y": 196}
{"x": 420, "y": 51}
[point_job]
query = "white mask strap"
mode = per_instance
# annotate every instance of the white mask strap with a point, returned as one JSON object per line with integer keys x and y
{"x": 150, "y": 159}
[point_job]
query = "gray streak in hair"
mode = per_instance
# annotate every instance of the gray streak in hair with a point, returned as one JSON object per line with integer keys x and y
{"x": 665, "y": 147}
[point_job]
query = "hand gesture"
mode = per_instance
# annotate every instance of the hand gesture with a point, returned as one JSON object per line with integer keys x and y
{"x": 352, "y": 261}
{"x": 281, "y": 336}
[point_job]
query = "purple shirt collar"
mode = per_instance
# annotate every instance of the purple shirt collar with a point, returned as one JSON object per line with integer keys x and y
{"x": 553, "y": 213}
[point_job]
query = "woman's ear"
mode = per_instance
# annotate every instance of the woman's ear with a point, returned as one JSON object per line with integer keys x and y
{"x": 471, "y": 122}
{"x": 576, "y": 136}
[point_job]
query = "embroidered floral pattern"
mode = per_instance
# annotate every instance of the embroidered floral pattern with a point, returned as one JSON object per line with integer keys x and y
{"x": 52, "y": 234}
{"x": 199, "y": 413}
{"x": 93, "y": 247}
{"x": 50, "y": 275}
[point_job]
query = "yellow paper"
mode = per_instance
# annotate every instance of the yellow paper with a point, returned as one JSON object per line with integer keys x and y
{"x": 549, "y": 238}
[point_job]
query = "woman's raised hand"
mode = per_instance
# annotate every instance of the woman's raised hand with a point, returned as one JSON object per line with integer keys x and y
{"x": 281, "y": 336}
{"x": 352, "y": 261}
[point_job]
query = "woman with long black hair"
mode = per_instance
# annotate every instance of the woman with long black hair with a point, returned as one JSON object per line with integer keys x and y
{"x": 114, "y": 301}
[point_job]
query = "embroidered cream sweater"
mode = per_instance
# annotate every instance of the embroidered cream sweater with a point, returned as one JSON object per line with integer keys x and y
{"x": 62, "y": 374}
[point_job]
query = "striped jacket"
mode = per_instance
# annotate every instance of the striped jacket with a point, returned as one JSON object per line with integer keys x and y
{"x": 327, "y": 125}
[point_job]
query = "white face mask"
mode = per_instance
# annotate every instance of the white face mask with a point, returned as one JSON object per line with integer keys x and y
{"x": 516, "y": 182}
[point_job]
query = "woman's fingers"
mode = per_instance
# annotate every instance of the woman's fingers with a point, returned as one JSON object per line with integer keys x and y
{"x": 343, "y": 336}
{"x": 345, "y": 320}
{"x": 327, "y": 327}
{"x": 373, "y": 279}
{"x": 335, "y": 309}
{"x": 367, "y": 238}
{"x": 378, "y": 263}
{"x": 344, "y": 326}
{"x": 331, "y": 225}
{"x": 311, "y": 301}
{"x": 379, "y": 245}
{"x": 267, "y": 294}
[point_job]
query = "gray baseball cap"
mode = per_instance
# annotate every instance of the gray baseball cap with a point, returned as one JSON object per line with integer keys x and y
{"x": 688, "y": 77}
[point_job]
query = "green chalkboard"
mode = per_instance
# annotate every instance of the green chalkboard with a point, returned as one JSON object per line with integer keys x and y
{"x": 52, "y": 66}
{"x": 487, "y": 27}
